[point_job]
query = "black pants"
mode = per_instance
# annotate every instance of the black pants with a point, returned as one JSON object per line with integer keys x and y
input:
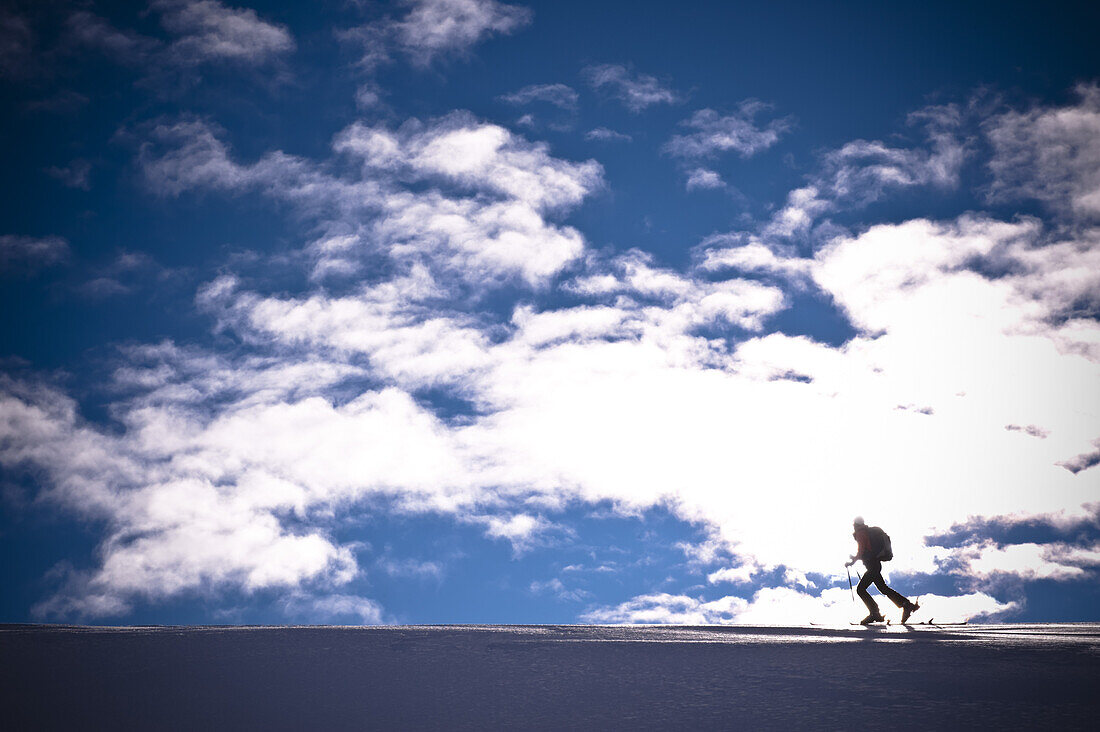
{"x": 873, "y": 574}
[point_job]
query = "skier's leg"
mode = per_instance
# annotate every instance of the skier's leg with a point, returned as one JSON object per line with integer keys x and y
{"x": 861, "y": 590}
{"x": 896, "y": 597}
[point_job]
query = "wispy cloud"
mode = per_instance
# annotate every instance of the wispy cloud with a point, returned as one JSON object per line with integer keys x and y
{"x": 437, "y": 27}
{"x": 863, "y": 171}
{"x": 1051, "y": 154}
{"x": 636, "y": 91}
{"x": 202, "y": 32}
{"x": 126, "y": 272}
{"x": 603, "y": 134}
{"x": 558, "y": 588}
{"x": 208, "y": 31}
{"x": 17, "y": 42}
{"x": 559, "y": 95}
{"x": 74, "y": 175}
{"x": 432, "y": 30}
{"x": 30, "y": 253}
{"x": 335, "y": 608}
{"x": 714, "y": 133}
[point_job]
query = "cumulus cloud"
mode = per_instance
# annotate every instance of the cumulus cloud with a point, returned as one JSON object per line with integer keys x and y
{"x": 590, "y": 376}
{"x": 634, "y": 90}
{"x": 500, "y": 228}
{"x": 704, "y": 178}
{"x": 713, "y": 133}
{"x": 667, "y": 414}
{"x": 1051, "y": 154}
{"x": 190, "y": 508}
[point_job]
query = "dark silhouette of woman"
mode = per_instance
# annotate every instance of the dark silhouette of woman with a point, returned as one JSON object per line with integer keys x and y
{"x": 872, "y": 548}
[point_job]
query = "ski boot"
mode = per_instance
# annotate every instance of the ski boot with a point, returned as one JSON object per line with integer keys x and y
{"x": 872, "y": 618}
{"x": 910, "y": 608}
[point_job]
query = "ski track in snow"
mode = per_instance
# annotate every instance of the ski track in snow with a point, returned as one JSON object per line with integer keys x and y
{"x": 588, "y": 677}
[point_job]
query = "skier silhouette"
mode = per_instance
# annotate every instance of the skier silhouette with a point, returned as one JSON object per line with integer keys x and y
{"x": 873, "y": 548}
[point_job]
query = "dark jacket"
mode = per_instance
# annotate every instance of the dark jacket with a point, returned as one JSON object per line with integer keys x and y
{"x": 870, "y": 541}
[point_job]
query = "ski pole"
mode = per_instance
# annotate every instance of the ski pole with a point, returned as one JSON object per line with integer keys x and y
{"x": 850, "y": 583}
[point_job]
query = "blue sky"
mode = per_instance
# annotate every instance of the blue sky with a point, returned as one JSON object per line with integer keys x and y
{"x": 470, "y": 311}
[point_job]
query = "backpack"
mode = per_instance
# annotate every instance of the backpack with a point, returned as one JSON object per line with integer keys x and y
{"x": 881, "y": 539}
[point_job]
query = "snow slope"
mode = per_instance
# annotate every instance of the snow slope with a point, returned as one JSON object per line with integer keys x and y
{"x": 475, "y": 677}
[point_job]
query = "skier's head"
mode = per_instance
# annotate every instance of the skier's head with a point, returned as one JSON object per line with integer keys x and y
{"x": 857, "y": 523}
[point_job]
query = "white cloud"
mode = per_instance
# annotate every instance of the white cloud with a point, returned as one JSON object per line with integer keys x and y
{"x": 649, "y": 386}
{"x": 411, "y": 568}
{"x": 207, "y": 30}
{"x": 196, "y": 502}
{"x": 705, "y": 179}
{"x": 1030, "y": 561}
{"x": 615, "y": 402}
{"x": 661, "y": 608}
{"x": 863, "y": 171}
{"x": 558, "y": 95}
{"x": 635, "y": 91}
{"x": 558, "y": 588}
{"x": 499, "y": 229}
{"x": 714, "y": 133}
{"x": 523, "y": 531}
{"x": 724, "y": 251}
{"x": 1051, "y": 154}
{"x": 782, "y": 606}
{"x": 336, "y": 608}
{"x": 732, "y": 574}
{"x": 603, "y": 134}
{"x": 435, "y": 29}
{"x": 202, "y": 32}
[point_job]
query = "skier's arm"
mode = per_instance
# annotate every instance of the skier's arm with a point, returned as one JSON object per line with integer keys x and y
{"x": 861, "y": 550}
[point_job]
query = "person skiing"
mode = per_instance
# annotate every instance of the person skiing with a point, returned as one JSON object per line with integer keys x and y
{"x": 873, "y": 548}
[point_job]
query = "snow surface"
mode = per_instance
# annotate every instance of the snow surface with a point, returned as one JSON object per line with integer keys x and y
{"x": 596, "y": 677}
